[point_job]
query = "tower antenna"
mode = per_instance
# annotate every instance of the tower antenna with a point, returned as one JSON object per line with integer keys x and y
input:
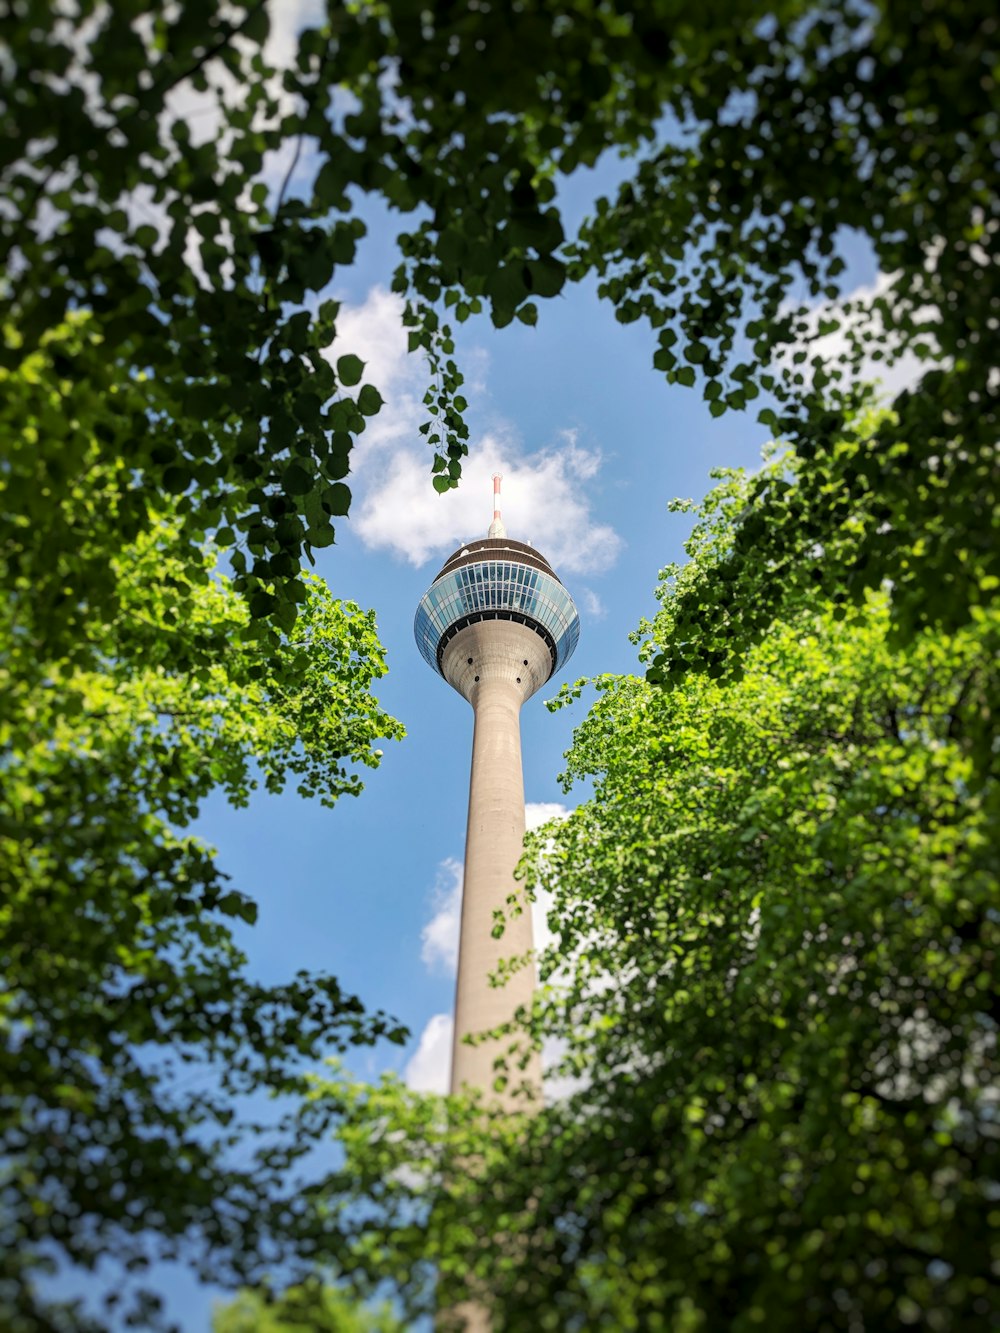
{"x": 497, "y": 528}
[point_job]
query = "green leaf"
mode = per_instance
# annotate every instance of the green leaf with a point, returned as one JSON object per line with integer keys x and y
{"x": 350, "y": 368}
{"x": 328, "y": 189}
{"x": 369, "y": 400}
{"x": 337, "y": 499}
{"x": 506, "y": 287}
{"x": 548, "y": 276}
{"x": 236, "y": 904}
{"x": 320, "y": 536}
{"x": 262, "y": 604}
{"x": 296, "y": 479}
{"x": 176, "y": 480}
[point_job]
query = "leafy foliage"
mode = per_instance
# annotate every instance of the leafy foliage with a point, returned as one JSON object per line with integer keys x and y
{"x": 762, "y": 136}
{"x": 169, "y": 375}
{"x": 309, "y": 1308}
{"x": 772, "y": 986}
{"x": 200, "y": 370}
{"x": 120, "y": 964}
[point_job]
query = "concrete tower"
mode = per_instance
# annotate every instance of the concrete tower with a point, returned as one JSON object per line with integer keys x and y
{"x": 496, "y": 623}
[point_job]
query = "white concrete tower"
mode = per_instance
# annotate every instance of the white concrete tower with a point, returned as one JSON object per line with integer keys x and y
{"x": 496, "y": 623}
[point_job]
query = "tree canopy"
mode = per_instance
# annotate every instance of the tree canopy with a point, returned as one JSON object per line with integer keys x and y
{"x": 761, "y": 136}
{"x": 772, "y": 988}
{"x": 120, "y": 966}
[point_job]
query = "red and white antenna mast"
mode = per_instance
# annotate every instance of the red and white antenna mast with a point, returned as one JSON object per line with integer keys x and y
{"x": 497, "y": 528}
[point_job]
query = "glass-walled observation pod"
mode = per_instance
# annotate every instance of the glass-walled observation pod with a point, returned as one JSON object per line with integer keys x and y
{"x": 501, "y": 589}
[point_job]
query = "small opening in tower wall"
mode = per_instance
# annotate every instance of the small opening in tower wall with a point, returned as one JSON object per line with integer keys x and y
{"x": 477, "y": 678}
{"x": 470, "y": 661}
{"x": 519, "y": 680}
{"x": 525, "y": 661}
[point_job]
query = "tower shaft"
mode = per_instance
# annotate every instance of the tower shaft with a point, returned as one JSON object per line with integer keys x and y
{"x": 493, "y": 846}
{"x": 496, "y": 665}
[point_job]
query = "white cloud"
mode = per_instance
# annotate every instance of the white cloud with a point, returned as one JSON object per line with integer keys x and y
{"x": 374, "y": 331}
{"x": 399, "y": 511}
{"x": 395, "y": 506}
{"x": 429, "y": 1068}
{"x": 288, "y": 19}
{"x": 439, "y": 938}
{"x": 592, "y": 604}
{"x": 537, "y": 813}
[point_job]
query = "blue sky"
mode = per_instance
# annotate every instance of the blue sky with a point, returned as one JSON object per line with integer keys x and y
{"x": 593, "y": 444}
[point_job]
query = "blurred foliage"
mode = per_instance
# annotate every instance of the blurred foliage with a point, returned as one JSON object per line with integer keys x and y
{"x": 129, "y": 1027}
{"x": 160, "y": 170}
{"x": 310, "y": 1308}
{"x": 773, "y": 990}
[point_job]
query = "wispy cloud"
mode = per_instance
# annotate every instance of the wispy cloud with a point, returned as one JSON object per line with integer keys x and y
{"x": 439, "y": 938}
{"x": 592, "y": 604}
{"x": 537, "y": 813}
{"x": 429, "y": 1068}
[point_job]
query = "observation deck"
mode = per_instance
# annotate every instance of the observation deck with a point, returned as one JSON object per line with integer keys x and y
{"x": 496, "y": 578}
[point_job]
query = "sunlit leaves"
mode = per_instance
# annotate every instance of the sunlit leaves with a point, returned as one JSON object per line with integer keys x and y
{"x": 120, "y": 960}
{"x": 337, "y": 499}
{"x": 313, "y": 1305}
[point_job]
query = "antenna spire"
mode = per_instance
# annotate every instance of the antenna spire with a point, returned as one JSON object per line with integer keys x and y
{"x": 497, "y": 528}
